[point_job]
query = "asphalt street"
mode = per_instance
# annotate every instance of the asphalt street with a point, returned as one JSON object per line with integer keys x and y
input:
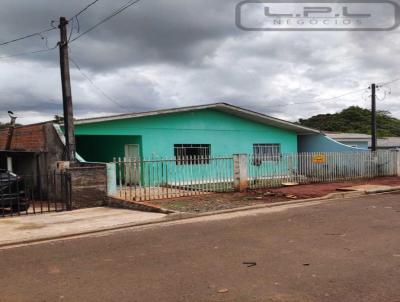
{"x": 345, "y": 250}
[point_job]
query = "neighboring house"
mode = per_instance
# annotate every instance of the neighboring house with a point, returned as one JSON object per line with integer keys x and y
{"x": 363, "y": 141}
{"x": 206, "y": 130}
{"x": 356, "y": 140}
{"x": 388, "y": 143}
{"x": 31, "y": 149}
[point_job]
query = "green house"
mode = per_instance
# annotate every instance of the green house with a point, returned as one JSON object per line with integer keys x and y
{"x": 199, "y": 131}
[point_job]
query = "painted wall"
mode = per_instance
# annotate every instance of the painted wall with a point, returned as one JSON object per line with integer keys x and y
{"x": 226, "y": 133}
{"x": 358, "y": 144}
{"x": 103, "y": 148}
{"x": 322, "y": 143}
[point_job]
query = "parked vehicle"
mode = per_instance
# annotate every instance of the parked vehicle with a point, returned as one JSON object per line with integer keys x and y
{"x": 12, "y": 194}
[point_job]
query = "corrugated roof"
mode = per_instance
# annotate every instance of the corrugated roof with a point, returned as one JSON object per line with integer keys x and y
{"x": 235, "y": 110}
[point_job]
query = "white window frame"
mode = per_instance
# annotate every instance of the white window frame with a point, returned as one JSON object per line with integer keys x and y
{"x": 266, "y": 152}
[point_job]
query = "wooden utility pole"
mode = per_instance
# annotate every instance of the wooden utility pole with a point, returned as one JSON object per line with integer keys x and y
{"x": 373, "y": 117}
{"x": 66, "y": 91}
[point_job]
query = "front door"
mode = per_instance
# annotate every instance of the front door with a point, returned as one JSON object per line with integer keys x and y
{"x": 132, "y": 166}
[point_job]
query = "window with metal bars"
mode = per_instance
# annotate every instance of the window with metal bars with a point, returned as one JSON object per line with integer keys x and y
{"x": 192, "y": 154}
{"x": 266, "y": 152}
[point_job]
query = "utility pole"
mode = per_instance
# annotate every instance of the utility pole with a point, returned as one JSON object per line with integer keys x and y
{"x": 373, "y": 117}
{"x": 66, "y": 91}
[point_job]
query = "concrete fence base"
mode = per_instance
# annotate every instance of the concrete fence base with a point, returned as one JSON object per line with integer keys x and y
{"x": 89, "y": 185}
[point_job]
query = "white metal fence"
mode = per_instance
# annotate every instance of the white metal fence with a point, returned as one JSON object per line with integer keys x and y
{"x": 305, "y": 168}
{"x": 151, "y": 179}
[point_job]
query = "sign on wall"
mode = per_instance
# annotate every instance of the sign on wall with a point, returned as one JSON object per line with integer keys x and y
{"x": 319, "y": 159}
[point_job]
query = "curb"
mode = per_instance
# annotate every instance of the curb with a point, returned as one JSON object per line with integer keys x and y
{"x": 117, "y": 203}
{"x": 187, "y": 216}
{"x": 378, "y": 191}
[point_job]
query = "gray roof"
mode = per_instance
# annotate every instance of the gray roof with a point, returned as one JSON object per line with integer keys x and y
{"x": 389, "y": 142}
{"x": 234, "y": 110}
{"x": 386, "y": 142}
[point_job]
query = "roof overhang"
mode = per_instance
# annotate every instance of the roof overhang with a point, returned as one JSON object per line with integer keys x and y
{"x": 234, "y": 110}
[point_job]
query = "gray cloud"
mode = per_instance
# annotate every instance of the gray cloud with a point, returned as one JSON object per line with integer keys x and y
{"x": 166, "y": 53}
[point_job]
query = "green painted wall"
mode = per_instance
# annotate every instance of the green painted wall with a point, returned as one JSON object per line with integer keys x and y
{"x": 226, "y": 133}
{"x": 103, "y": 148}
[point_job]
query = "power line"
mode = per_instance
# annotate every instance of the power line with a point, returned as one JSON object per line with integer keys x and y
{"x": 388, "y": 83}
{"x": 94, "y": 85}
{"x": 116, "y": 12}
{"x": 28, "y": 36}
{"x": 322, "y": 100}
{"x": 84, "y": 9}
{"x": 40, "y": 33}
{"x": 28, "y": 53}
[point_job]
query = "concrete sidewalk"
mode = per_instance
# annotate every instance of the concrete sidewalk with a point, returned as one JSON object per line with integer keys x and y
{"x": 24, "y": 229}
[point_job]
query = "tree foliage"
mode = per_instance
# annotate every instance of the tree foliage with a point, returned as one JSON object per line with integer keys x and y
{"x": 354, "y": 120}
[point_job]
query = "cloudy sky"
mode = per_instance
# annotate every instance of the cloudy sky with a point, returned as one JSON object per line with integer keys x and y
{"x": 171, "y": 53}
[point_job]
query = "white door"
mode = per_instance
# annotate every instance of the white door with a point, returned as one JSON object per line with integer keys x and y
{"x": 132, "y": 167}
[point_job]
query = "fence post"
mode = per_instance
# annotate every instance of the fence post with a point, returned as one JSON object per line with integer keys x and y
{"x": 241, "y": 181}
{"x": 397, "y": 162}
{"x": 111, "y": 179}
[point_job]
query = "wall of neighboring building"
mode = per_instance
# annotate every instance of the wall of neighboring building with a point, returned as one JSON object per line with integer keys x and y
{"x": 322, "y": 143}
{"x": 356, "y": 144}
{"x": 227, "y": 134}
{"x": 36, "y": 149}
{"x": 26, "y": 138}
{"x": 27, "y": 149}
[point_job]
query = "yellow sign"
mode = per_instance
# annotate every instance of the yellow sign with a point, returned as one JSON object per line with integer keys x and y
{"x": 319, "y": 159}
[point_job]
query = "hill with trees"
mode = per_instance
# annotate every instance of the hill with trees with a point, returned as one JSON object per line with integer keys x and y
{"x": 354, "y": 120}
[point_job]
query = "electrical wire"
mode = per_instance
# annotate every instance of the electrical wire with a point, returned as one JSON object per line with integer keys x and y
{"x": 40, "y": 33}
{"x": 116, "y": 12}
{"x": 322, "y": 100}
{"x": 84, "y": 9}
{"x": 28, "y": 53}
{"x": 95, "y": 86}
{"x": 388, "y": 83}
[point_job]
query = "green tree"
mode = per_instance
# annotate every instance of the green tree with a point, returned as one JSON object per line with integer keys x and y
{"x": 354, "y": 120}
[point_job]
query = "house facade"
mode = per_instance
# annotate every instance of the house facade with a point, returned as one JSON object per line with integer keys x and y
{"x": 191, "y": 137}
{"x": 210, "y": 130}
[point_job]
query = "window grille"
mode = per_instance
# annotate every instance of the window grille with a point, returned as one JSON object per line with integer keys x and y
{"x": 192, "y": 154}
{"x": 266, "y": 152}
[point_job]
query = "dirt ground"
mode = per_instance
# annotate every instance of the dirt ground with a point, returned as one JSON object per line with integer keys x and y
{"x": 215, "y": 202}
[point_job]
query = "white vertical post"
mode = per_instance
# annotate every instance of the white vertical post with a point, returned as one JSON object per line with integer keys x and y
{"x": 240, "y": 172}
{"x": 397, "y": 162}
{"x": 111, "y": 179}
{"x": 9, "y": 164}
